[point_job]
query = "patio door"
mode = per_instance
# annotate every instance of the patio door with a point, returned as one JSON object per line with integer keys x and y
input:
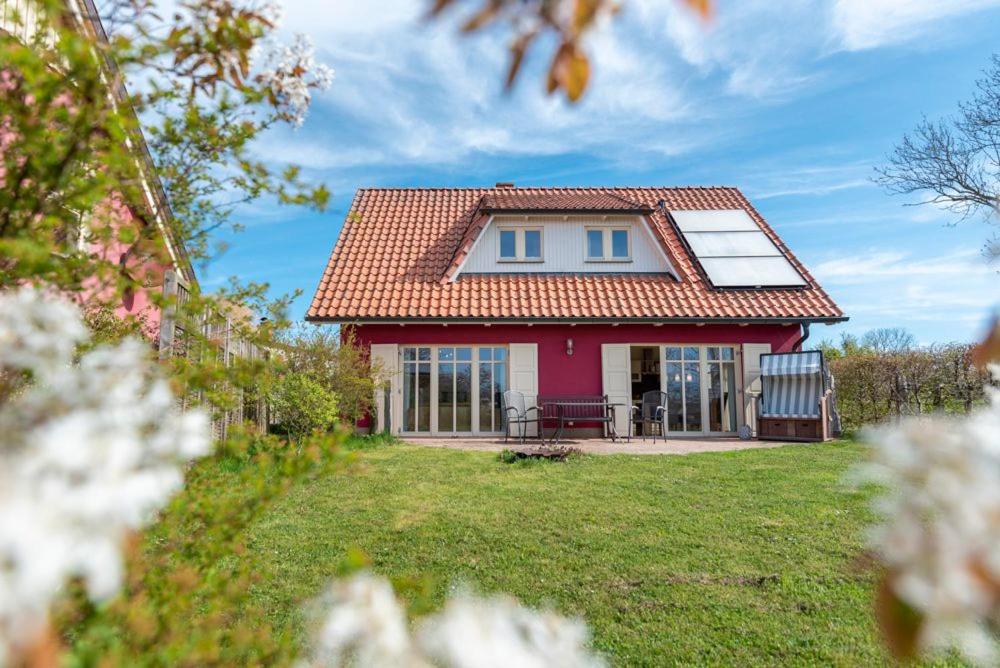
{"x": 492, "y": 384}
{"x": 700, "y": 382}
{"x": 452, "y": 390}
{"x": 417, "y": 389}
{"x": 682, "y": 378}
{"x": 721, "y": 389}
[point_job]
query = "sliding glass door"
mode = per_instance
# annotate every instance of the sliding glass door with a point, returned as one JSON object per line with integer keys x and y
{"x": 700, "y": 382}
{"x": 452, "y": 390}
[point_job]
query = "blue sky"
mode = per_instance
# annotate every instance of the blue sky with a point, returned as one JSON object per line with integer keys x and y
{"x": 794, "y": 102}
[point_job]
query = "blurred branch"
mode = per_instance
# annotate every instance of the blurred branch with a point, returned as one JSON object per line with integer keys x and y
{"x": 567, "y": 20}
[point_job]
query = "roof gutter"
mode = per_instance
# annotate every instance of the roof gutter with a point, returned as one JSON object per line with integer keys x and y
{"x": 828, "y": 320}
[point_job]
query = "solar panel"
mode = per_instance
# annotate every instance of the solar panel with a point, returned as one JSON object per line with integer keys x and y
{"x": 714, "y": 220}
{"x": 734, "y": 251}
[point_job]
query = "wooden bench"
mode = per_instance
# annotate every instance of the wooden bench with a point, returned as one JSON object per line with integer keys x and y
{"x": 563, "y": 409}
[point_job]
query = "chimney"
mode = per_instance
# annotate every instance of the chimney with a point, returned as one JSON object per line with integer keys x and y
{"x": 504, "y": 184}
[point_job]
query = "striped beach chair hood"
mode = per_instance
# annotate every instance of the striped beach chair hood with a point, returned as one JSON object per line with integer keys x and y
{"x": 792, "y": 384}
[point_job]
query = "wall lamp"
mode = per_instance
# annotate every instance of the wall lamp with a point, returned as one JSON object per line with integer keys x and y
{"x": 569, "y": 347}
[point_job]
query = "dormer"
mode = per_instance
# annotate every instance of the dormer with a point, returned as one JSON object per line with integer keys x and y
{"x": 552, "y": 233}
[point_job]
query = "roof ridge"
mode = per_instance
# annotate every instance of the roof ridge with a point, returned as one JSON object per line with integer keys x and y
{"x": 488, "y": 188}
{"x": 627, "y": 201}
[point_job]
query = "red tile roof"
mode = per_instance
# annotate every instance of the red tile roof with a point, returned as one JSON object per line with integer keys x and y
{"x": 522, "y": 200}
{"x": 399, "y": 251}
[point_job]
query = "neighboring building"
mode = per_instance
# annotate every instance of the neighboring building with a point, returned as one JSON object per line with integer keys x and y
{"x": 462, "y": 293}
{"x": 157, "y": 268}
{"x": 165, "y": 268}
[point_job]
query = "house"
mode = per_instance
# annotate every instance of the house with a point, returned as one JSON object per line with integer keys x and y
{"x": 463, "y": 293}
{"x": 157, "y": 263}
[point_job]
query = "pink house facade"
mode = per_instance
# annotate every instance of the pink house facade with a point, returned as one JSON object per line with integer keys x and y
{"x": 157, "y": 265}
{"x": 461, "y": 294}
{"x": 154, "y": 269}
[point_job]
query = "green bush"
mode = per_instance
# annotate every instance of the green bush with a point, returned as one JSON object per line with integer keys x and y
{"x": 338, "y": 363}
{"x": 507, "y": 456}
{"x": 885, "y": 376}
{"x": 188, "y": 597}
{"x": 301, "y": 405}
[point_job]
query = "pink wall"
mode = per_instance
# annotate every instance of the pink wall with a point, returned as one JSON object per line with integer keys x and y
{"x": 559, "y": 373}
{"x": 138, "y": 301}
{"x": 113, "y": 212}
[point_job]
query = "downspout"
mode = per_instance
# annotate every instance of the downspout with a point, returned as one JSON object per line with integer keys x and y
{"x": 797, "y": 347}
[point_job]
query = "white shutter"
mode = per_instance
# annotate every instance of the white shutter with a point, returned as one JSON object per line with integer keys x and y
{"x": 615, "y": 363}
{"x": 524, "y": 376}
{"x": 386, "y": 355}
{"x": 751, "y": 380}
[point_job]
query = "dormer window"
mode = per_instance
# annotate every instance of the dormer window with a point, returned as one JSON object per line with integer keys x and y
{"x": 609, "y": 244}
{"x": 520, "y": 244}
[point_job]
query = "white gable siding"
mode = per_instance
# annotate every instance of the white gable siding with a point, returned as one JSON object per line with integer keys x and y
{"x": 23, "y": 26}
{"x": 564, "y": 247}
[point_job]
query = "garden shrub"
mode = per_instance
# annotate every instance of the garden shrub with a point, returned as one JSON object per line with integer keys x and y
{"x": 338, "y": 364}
{"x": 301, "y": 405}
{"x": 187, "y": 598}
{"x": 884, "y": 375}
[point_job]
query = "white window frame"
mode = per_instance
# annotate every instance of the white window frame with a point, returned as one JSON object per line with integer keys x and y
{"x": 704, "y": 379}
{"x": 519, "y": 245}
{"x": 606, "y": 245}
{"x": 435, "y": 429}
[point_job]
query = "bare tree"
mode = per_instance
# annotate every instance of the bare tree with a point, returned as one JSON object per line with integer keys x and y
{"x": 888, "y": 340}
{"x": 955, "y": 163}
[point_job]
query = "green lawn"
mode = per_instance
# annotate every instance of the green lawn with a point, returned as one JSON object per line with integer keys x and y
{"x": 737, "y": 558}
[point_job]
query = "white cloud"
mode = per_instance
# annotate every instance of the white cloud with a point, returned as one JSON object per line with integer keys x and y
{"x": 788, "y": 178}
{"x": 665, "y": 83}
{"x": 882, "y": 264}
{"x": 768, "y": 49}
{"x": 867, "y": 24}
{"x": 414, "y": 92}
{"x": 763, "y": 48}
{"x": 885, "y": 287}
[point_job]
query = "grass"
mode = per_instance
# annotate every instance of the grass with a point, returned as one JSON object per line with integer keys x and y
{"x": 737, "y": 558}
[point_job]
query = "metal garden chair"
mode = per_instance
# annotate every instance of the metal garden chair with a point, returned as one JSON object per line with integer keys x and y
{"x": 650, "y": 415}
{"x": 517, "y": 413}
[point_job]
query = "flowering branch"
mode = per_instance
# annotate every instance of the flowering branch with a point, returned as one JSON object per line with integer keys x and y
{"x": 939, "y": 534}
{"x": 359, "y": 621}
{"x": 90, "y": 451}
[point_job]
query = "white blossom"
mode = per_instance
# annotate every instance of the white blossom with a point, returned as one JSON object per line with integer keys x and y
{"x": 940, "y": 529}
{"x": 362, "y": 623}
{"x": 498, "y": 632}
{"x": 38, "y": 333}
{"x": 291, "y": 72}
{"x": 88, "y": 452}
{"x": 272, "y": 12}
